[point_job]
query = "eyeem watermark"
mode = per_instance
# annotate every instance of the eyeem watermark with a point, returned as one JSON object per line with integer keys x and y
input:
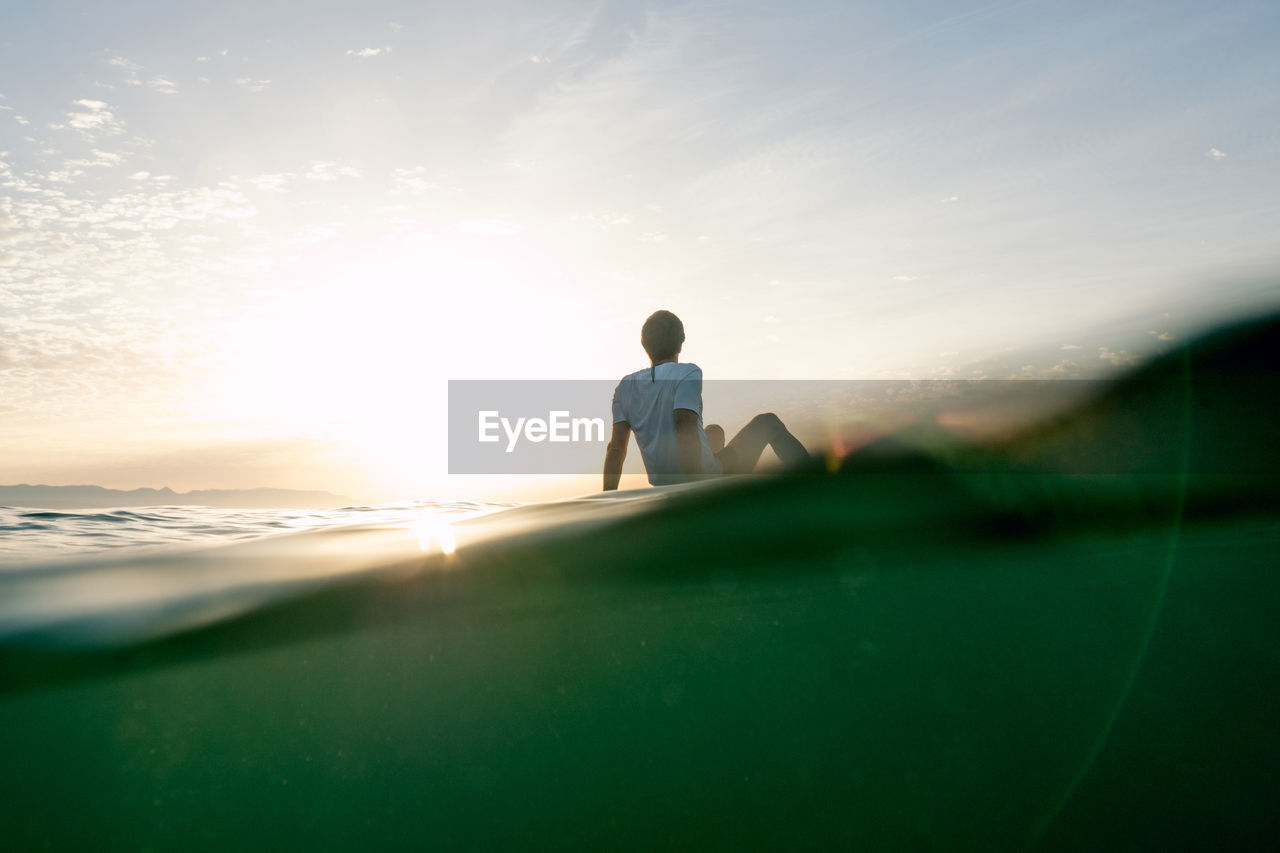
{"x": 559, "y": 426}
{"x": 530, "y": 426}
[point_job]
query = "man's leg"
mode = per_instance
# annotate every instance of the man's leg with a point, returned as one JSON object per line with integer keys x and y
{"x": 742, "y": 453}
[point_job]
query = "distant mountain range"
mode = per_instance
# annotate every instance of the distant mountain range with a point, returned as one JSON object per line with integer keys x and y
{"x": 85, "y": 497}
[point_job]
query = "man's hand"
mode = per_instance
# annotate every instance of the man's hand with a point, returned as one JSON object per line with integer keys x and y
{"x": 615, "y": 454}
{"x": 687, "y": 439}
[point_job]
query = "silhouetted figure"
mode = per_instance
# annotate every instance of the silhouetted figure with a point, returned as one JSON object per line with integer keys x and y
{"x": 662, "y": 404}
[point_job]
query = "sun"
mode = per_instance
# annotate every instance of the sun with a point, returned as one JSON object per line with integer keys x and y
{"x": 356, "y": 341}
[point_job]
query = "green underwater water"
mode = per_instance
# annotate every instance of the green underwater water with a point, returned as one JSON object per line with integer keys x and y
{"x": 639, "y": 686}
{"x": 929, "y": 649}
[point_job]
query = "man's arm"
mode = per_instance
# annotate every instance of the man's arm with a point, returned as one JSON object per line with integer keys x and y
{"x": 687, "y": 440}
{"x": 615, "y": 454}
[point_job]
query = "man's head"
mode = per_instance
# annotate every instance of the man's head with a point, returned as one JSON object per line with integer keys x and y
{"x": 662, "y": 336}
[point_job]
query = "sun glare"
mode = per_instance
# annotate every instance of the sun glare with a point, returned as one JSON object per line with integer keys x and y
{"x": 355, "y": 345}
{"x": 434, "y": 533}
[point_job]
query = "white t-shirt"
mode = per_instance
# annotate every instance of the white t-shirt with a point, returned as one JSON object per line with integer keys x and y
{"x": 646, "y": 399}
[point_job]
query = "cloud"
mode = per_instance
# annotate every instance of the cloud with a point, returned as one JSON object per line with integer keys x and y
{"x": 19, "y": 119}
{"x": 94, "y": 119}
{"x": 1070, "y": 346}
{"x": 1065, "y": 368}
{"x": 130, "y": 68}
{"x": 64, "y": 176}
{"x": 1123, "y": 358}
{"x": 163, "y": 85}
{"x": 253, "y": 85}
{"x": 1161, "y": 336}
{"x": 75, "y": 168}
{"x": 367, "y": 52}
{"x": 271, "y": 183}
{"x": 1215, "y": 154}
{"x": 325, "y": 170}
{"x": 94, "y": 283}
{"x": 410, "y": 181}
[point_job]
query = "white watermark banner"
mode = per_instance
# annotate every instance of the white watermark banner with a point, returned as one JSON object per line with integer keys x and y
{"x": 551, "y": 427}
{"x": 529, "y": 426}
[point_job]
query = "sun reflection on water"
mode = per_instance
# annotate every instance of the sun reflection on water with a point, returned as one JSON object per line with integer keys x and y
{"x": 432, "y": 528}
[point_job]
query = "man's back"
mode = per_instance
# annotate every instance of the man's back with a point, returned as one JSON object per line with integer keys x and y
{"x": 647, "y": 400}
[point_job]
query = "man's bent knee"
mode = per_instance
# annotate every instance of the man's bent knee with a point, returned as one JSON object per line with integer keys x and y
{"x": 768, "y": 419}
{"x": 715, "y": 437}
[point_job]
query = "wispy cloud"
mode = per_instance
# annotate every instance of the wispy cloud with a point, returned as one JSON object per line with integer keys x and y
{"x": 163, "y": 85}
{"x": 94, "y": 119}
{"x": 1065, "y": 368}
{"x": 365, "y": 53}
{"x": 253, "y": 85}
{"x": 100, "y": 158}
{"x": 411, "y": 181}
{"x": 1215, "y": 154}
{"x": 129, "y": 67}
{"x": 326, "y": 170}
{"x": 1121, "y": 358}
{"x": 74, "y": 263}
{"x": 271, "y": 183}
{"x": 8, "y": 109}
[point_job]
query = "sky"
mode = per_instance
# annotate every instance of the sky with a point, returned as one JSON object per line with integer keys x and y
{"x": 248, "y": 244}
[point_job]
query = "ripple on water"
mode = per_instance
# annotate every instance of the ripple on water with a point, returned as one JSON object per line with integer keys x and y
{"x": 39, "y": 535}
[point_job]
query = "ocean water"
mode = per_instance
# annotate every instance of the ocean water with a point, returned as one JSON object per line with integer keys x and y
{"x": 891, "y": 660}
{"x": 1068, "y": 641}
{"x": 31, "y": 535}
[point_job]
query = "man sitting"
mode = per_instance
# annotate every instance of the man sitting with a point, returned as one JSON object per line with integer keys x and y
{"x": 662, "y": 404}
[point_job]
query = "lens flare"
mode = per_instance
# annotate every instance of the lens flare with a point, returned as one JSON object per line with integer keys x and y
{"x": 434, "y": 533}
